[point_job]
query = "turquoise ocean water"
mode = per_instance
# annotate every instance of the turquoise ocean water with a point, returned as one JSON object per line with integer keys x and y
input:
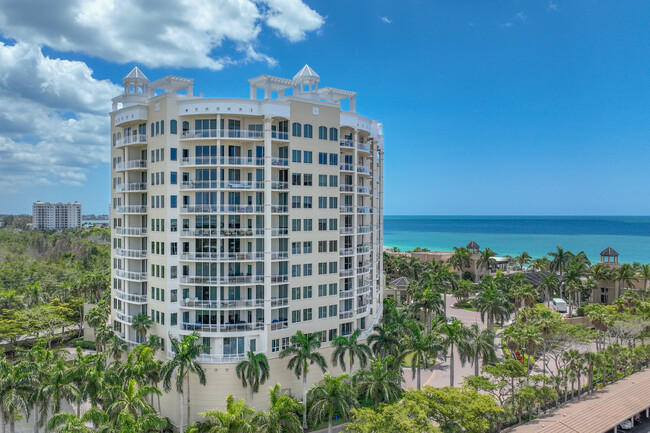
{"x": 629, "y": 236}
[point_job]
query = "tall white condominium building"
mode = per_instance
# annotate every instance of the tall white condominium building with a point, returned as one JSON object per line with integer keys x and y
{"x": 245, "y": 220}
{"x": 56, "y": 216}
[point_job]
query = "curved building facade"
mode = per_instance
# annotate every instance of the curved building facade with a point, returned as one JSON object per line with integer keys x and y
{"x": 244, "y": 220}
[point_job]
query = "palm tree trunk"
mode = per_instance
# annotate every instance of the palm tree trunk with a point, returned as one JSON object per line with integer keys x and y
{"x": 12, "y": 424}
{"x": 181, "y": 397}
{"x": 251, "y": 396}
{"x": 476, "y": 361}
{"x": 451, "y": 367}
{"x": 188, "y": 399}
{"x": 490, "y": 322}
{"x": 3, "y": 426}
{"x": 36, "y": 414}
{"x": 419, "y": 377}
{"x": 329, "y": 424}
{"x": 304, "y": 398}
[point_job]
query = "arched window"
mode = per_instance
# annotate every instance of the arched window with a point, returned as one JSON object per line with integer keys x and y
{"x": 296, "y": 129}
{"x": 186, "y": 126}
{"x": 114, "y": 140}
{"x": 119, "y": 136}
{"x": 157, "y": 128}
{"x": 334, "y": 134}
{"x": 162, "y": 127}
{"x": 172, "y": 127}
{"x": 152, "y": 129}
{"x": 322, "y": 132}
{"x": 308, "y": 131}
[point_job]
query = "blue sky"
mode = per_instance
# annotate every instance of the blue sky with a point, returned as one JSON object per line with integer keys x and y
{"x": 489, "y": 108}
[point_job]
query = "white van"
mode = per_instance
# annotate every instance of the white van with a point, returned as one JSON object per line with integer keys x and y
{"x": 560, "y": 305}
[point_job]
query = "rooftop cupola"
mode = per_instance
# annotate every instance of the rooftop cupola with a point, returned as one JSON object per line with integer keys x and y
{"x": 136, "y": 83}
{"x": 608, "y": 255}
{"x": 473, "y": 247}
{"x": 306, "y": 80}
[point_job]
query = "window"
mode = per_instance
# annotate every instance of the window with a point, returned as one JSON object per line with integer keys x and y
{"x": 172, "y": 201}
{"x": 306, "y": 246}
{"x": 322, "y": 180}
{"x": 296, "y": 155}
{"x": 322, "y": 224}
{"x": 295, "y": 270}
{"x": 152, "y": 129}
{"x": 322, "y": 268}
{"x": 295, "y": 316}
{"x": 306, "y": 314}
{"x": 322, "y": 202}
{"x": 333, "y": 309}
{"x": 306, "y": 269}
{"x": 172, "y": 128}
{"x": 173, "y": 178}
{"x": 322, "y": 246}
{"x": 295, "y": 247}
{"x": 334, "y": 267}
{"x": 295, "y": 178}
{"x": 333, "y": 202}
{"x": 322, "y": 290}
{"x": 334, "y": 134}
{"x": 162, "y": 126}
{"x": 173, "y": 247}
{"x": 295, "y": 293}
{"x": 157, "y": 128}
{"x": 334, "y": 159}
{"x": 334, "y": 180}
{"x": 307, "y": 225}
{"x": 285, "y": 342}
{"x": 333, "y": 246}
{"x": 306, "y": 292}
{"x": 308, "y": 131}
{"x": 295, "y": 202}
{"x": 322, "y": 312}
{"x": 333, "y": 289}
{"x": 295, "y": 225}
{"x": 295, "y": 129}
{"x": 307, "y": 202}
{"x": 322, "y": 158}
{"x": 173, "y": 319}
{"x": 332, "y": 334}
{"x": 307, "y": 156}
{"x": 275, "y": 345}
{"x": 307, "y": 179}
{"x": 334, "y": 223}
{"x": 322, "y": 132}
{"x": 173, "y": 226}
{"x": 173, "y": 295}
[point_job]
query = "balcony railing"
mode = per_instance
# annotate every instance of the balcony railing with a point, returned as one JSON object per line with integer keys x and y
{"x": 216, "y": 256}
{"x": 279, "y": 208}
{"x": 131, "y": 254}
{"x": 347, "y": 209}
{"x": 233, "y": 208}
{"x": 206, "y": 184}
{"x": 346, "y": 230}
{"x": 363, "y": 249}
{"x": 346, "y": 188}
{"x": 279, "y": 185}
{"x": 214, "y": 160}
{"x": 346, "y": 294}
{"x": 210, "y": 279}
{"x": 346, "y": 272}
{"x": 276, "y": 135}
{"x": 346, "y": 315}
{"x": 131, "y": 139}
{"x": 280, "y": 162}
{"x": 131, "y": 186}
{"x": 133, "y": 164}
{"x": 363, "y": 229}
{"x": 138, "y": 209}
{"x": 363, "y": 209}
{"x": 277, "y": 325}
{"x": 280, "y": 255}
{"x": 222, "y": 133}
{"x": 364, "y": 190}
{"x": 347, "y": 143}
{"x": 129, "y": 297}
{"x": 235, "y": 327}
{"x": 279, "y": 231}
{"x": 279, "y": 302}
{"x": 130, "y": 275}
{"x": 124, "y": 317}
{"x": 346, "y": 251}
{"x": 130, "y": 231}
{"x": 347, "y": 167}
{"x": 363, "y": 170}
{"x": 363, "y": 309}
{"x": 276, "y": 279}
{"x": 364, "y": 147}
{"x": 224, "y": 303}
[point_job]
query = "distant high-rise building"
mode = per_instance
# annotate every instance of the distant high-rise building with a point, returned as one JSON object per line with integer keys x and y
{"x": 56, "y": 216}
{"x": 244, "y": 220}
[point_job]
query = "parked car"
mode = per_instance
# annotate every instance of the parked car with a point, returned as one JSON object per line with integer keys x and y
{"x": 626, "y": 425}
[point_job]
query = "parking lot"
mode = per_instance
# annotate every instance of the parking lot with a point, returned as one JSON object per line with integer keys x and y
{"x": 642, "y": 425}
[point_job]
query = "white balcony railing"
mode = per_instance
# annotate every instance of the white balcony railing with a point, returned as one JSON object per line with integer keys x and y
{"x": 131, "y": 186}
{"x": 124, "y": 317}
{"x": 233, "y": 184}
{"x": 130, "y": 275}
{"x": 137, "y": 209}
{"x": 233, "y": 208}
{"x": 132, "y": 164}
{"x": 211, "y": 279}
{"x": 224, "y": 303}
{"x": 130, "y": 231}
{"x": 346, "y": 315}
{"x": 131, "y": 139}
{"x": 279, "y": 302}
{"x": 346, "y": 294}
{"x": 129, "y": 297}
{"x": 222, "y": 133}
{"x": 235, "y": 327}
{"x": 217, "y": 256}
{"x": 131, "y": 254}
{"x": 347, "y": 167}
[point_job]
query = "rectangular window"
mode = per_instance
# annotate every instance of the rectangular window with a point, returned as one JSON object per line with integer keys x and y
{"x": 173, "y": 248}
{"x": 295, "y": 293}
{"x": 332, "y": 334}
{"x": 295, "y": 247}
{"x": 334, "y": 267}
{"x": 308, "y": 131}
{"x": 334, "y": 134}
{"x": 322, "y": 246}
{"x": 307, "y": 156}
{"x": 173, "y": 295}
{"x": 334, "y": 224}
{"x": 307, "y": 179}
{"x": 295, "y": 270}
{"x": 306, "y": 292}
{"x": 322, "y": 224}
{"x": 333, "y": 309}
{"x": 295, "y": 316}
{"x": 173, "y": 152}
{"x": 306, "y": 269}
{"x": 322, "y": 202}
{"x": 334, "y": 180}
{"x": 322, "y": 268}
{"x": 173, "y": 319}
{"x": 333, "y": 246}
{"x": 295, "y": 225}
{"x": 333, "y": 289}
{"x": 307, "y": 224}
{"x": 275, "y": 345}
{"x": 322, "y": 312}
{"x": 285, "y": 342}
{"x": 295, "y": 155}
{"x": 173, "y": 177}
{"x": 322, "y": 132}
{"x": 296, "y": 129}
{"x": 322, "y": 290}
{"x": 173, "y": 226}
{"x": 334, "y": 159}
{"x": 306, "y": 246}
{"x": 307, "y": 202}
{"x": 306, "y": 314}
{"x": 295, "y": 202}
{"x": 322, "y": 158}
{"x": 334, "y": 202}
{"x": 295, "y": 178}
{"x": 322, "y": 180}
{"x": 173, "y": 201}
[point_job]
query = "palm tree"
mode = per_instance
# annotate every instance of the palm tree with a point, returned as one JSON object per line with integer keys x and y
{"x": 453, "y": 334}
{"x": 253, "y": 372}
{"x": 559, "y": 259}
{"x": 131, "y": 399}
{"x": 281, "y": 416}
{"x": 331, "y": 395}
{"x": 423, "y": 349}
{"x": 116, "y": 346}
{"x": 154, "y": 343}
{"x": 549, "y": 285}
{"x": 491, "y": 303}
{"x": 15, "y": 386}
{"x": 416, "y": 266}
{"x": 428, "y": 298}
{"x": 540, "y": 264}
{"x": 460, "y": 260}
{"x": 478, "y": 344}
{"x": 383, "y": 342}
{"x": 354, "y": 349}
{"x": 644, "y": 273}
{"x": 237, "y": 418}
{"x": 522, "y": 260}
{"x": 626, "y": 275}
{"x": 381, "y": 383}
{"x": 304, "y": 352}
{"x": 486, "y": 259}
{"x": 141, "y": 323}
{"x": 59, "y": 387}
{"x": 185, "y": 352}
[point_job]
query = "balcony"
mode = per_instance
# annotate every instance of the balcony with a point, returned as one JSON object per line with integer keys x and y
{"x": 347, "y": 143}
{"x": 130, "y": 231}
{"x": 131, "y": 254}
{"x": 346, "y": 315}
{"x": 211, "y": 208}
{"x": 134, "y": 164}
{"x": 130, "y": 275}
{"x": 364, "y": 209}
{"x": 347, "y": 167}
{"x": 279, "y": 302}
{"x": 364, "y": 269}
{"x": 346, "y": 230}
{"x": 235, "y": 327}
{"x": 280, "y": 255}
{"x": 364, "y": 190}
{"x": 131, "y": 298}
{"x": 346, "y": 294}
{"x": 280, "y": 231}
{"x": 363, "y": 309}
{"x": 231, "y": 161}
{"x": 131, "y": 186}
{"x": 131, "y": 139}
{"x": 211, "y": 279}
{"x": 213, "y": 257}
{"x": 279, "y": 279}
{"x": 214, "y": 304}
{"x": 277, "y": 185}
{"x": 211, "y": 233}
{"x": 363, "y": 249}
{"x": 346, "y": 272}
{"x": 276, "y": 135}
{"x": 363, "y": 147}
{"x": 123, "y": 317}
{"x": 363, "y": 170}
{"x": 131, "y": 209}
{"x": 363, "y": 229}
{"x": 222, "y": 133}
{"x": 278, "y": 325}
{"x": 364, "y": 288}
{"x": 279, "y": 162}
{"x": 347, "y": 209}
{"x": 346, "y": 251}
{"x": 346, "y": 188}
{"x": 279, "y": 208}
{"x": 234, "y": 185}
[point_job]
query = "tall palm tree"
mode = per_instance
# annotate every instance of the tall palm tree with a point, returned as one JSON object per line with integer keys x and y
{"x": 491, "y": 303}
{"x": 131, "y": 399}
{"x": 428, "y": 298}
{"x": 550, "y": 286}
{"x": 644, "y": 273}
{"x": 331, "y": 395}
{"x": 237, "y": 418}
{"x": 626, "y": 275}
{"x": 522, "y": 260}
{"x": 379, "y": 384}
{"x": 141, "y": 324}
{"x": 304, "y": 352}
{"x": 253, "y": 372}
{"x": 15, "y": 386}
{"x": 383, "y": 342}
{"x": 416, "y": 266}
{"x": 354, "y": 349}
{"x": 540, "y": 264}
{"x": 423, "y": 349}
{"x": 453, "y": 335}
{"x": 281, "y": 416}
{"x": 116, "y": 346}
{"x": 461, "y": 259}
{"x": 559, "y": 259}
{"x": 486, "y": 259}
{"x": 60, "y": 386}
{"x": 478, "y": 345}
{"x": 184, "y": 362}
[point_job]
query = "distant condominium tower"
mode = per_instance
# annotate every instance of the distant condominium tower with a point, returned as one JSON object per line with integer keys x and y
{"x": 56, "y": 216}
{"x": 244, "y": 220}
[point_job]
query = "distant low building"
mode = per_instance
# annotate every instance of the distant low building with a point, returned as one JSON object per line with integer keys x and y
{"x": 56, "y": 216}
{"x": 397, "y": 289}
